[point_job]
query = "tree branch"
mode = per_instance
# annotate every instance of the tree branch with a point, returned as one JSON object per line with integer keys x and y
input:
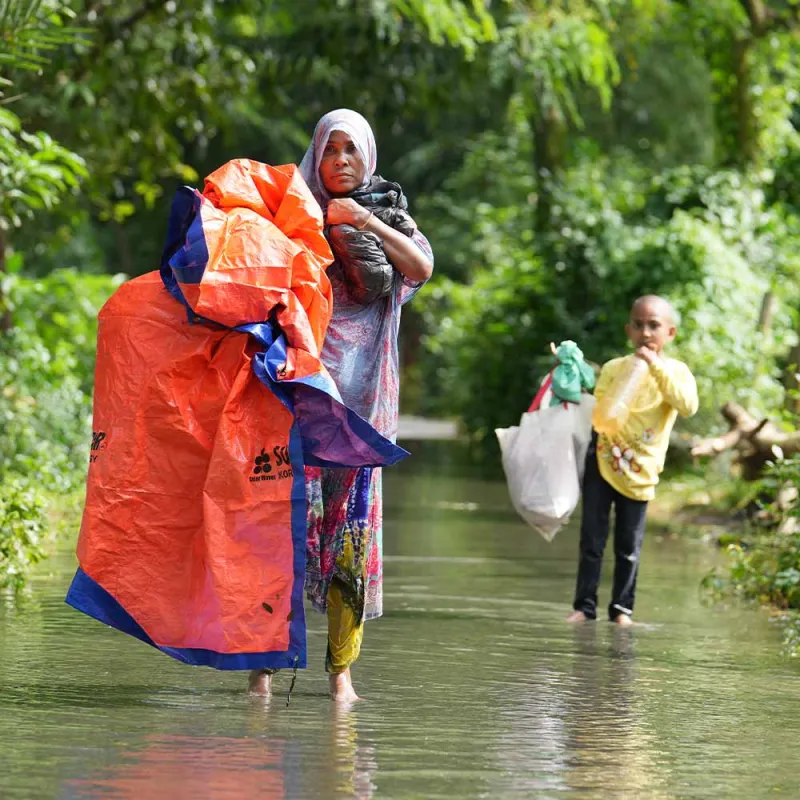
{"x": 753, "y": 440}
{"x": 716, "y": 444}
{"x": 764, "y": 20}
{"x": 758, "y": 14}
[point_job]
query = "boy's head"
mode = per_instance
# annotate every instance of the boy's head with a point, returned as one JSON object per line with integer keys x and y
{"x": 652, "y": 323}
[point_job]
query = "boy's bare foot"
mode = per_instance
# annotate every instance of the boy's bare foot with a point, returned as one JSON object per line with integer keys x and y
{"x": 623, "y": 620}
{"x": 577, "y": 616}
{"x": 260, "y": 683}
{"x": 342, "y": 690}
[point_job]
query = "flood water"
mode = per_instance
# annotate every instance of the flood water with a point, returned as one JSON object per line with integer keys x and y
{"x": 474, "y": 685}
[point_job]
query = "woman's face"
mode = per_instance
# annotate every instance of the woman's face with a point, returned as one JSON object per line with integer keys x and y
{"x": 341, "y": 169}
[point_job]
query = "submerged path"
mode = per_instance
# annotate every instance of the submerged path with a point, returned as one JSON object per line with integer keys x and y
{"x": 475, "y": 686}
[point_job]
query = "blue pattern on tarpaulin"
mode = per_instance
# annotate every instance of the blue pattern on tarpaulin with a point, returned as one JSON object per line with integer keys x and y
{"x": 332, "y": 434}
{"x": 297, "y": 625}
{"x": 184, "y": 211}
{"x": 188, "y": 264}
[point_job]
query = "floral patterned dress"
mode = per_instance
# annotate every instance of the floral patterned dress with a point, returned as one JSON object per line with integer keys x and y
{"x": 345, "y": 514}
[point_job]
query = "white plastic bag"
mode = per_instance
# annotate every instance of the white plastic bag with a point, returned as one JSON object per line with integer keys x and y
{"x": 543, "y": 459}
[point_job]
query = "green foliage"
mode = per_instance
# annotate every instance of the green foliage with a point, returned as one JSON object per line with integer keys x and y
{"x": 60, "y": 311}
{"x": 734, "y": 248}
{"x": 35, "y": 172}
{"x": 770, "y": 573}
{"x": 161, "y": 93}
{"x": 21, "y": 526}
{"x": 32, "y": 29}
{"x": 707, "y": 240}
{"x": 790, "y": 624}
{"x": 664, "y": 78}
{"x": 159, "y": 86}
{"x": 752, "y": 53}
{"x": 551, "y": 49}
{"x": 44, "y": 412}
{"x": 464, "y": 25}
{"x": 46, "y": 362}
{"x": 767, "y": 570}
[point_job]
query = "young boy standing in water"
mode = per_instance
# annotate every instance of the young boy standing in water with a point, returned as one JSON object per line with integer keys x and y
{"x": 622, "y": 469}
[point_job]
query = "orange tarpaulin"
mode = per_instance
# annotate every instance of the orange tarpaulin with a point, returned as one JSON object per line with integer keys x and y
{"x": 210, "y": 398}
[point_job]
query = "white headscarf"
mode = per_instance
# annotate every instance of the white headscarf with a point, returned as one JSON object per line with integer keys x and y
{"x": 358, "y": 129}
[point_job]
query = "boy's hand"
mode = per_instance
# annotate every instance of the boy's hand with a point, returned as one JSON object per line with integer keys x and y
{"x": 648, "y": 355}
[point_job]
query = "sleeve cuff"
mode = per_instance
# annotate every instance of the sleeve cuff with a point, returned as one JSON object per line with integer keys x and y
{"x": 658, "y": 368}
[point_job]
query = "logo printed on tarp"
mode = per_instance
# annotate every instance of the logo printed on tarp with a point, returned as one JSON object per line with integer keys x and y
{"x": 98, "y": 439}
{"x": 262, "y": 464}
{"x": 263, "y": 467}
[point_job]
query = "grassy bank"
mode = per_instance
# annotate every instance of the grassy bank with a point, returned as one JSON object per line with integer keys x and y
{"x": 758, "y": 526}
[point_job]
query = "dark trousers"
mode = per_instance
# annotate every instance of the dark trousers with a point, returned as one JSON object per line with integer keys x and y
{"x": 629, "y": 522}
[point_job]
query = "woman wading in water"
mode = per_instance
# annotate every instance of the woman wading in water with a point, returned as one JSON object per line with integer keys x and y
{"x": 382, "y": 259}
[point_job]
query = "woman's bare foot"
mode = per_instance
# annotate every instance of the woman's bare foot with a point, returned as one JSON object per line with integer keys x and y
{"x": 260, "y": 683}
{"x": 577, "y": 616}
{"x": 342, "y": 690}
{"x": 623, "y": 620}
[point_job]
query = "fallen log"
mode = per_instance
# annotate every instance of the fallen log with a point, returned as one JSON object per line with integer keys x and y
{"x": 754, "y": 441}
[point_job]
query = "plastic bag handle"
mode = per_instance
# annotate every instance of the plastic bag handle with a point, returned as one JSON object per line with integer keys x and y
{"x": 537, "y": 401}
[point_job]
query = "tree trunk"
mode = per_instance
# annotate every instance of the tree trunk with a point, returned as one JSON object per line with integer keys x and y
{"x": 758, "y": 14}
{"x": 768, "y": 305}
{"x": 792, "y": 379}
{"x": 549, "y": 133}
{"x": 5, "y": 313}
{"x": 746, "y": 134}
{"x": 124, "y": 253}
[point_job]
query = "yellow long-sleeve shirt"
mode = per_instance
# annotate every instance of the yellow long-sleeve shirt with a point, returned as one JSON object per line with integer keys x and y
{"x": 632, "y": 459}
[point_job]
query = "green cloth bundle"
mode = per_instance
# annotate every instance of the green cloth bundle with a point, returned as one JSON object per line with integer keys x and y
{"x": 571, "y": 376}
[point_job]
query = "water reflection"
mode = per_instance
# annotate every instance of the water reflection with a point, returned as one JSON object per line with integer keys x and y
{"x": 181, "y": 766}
{"x": 608, "y": 740}
{"x": 188, "y": 767}
{"x": 355, "y": 764}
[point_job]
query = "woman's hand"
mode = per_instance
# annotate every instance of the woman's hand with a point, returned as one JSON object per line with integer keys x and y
{"x": 401, "y": 251}
{"x": 345, "y": 211}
